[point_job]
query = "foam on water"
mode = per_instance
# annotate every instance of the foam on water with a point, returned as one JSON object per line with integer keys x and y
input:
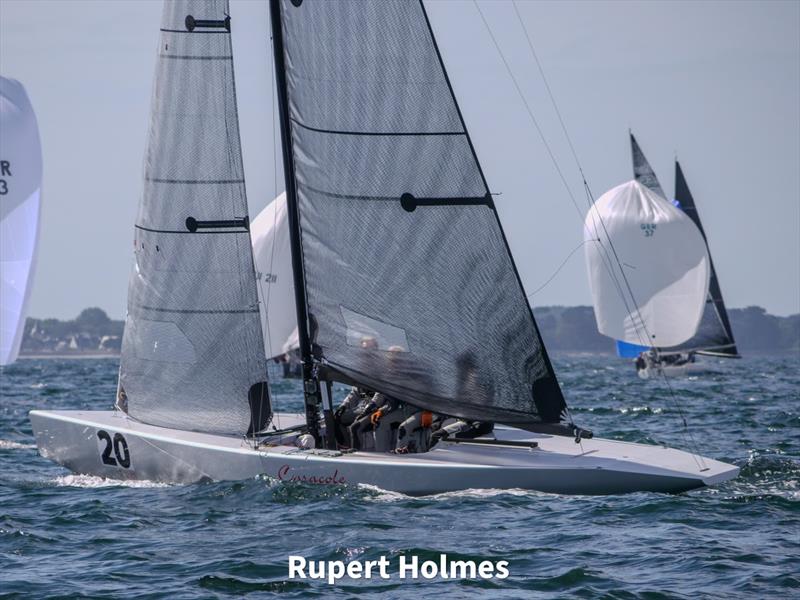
{"x": 91, "y": 481}
{"x": 11, "y": 445}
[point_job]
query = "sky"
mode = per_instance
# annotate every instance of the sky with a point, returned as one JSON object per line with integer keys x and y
{"x": 715, "y": 83}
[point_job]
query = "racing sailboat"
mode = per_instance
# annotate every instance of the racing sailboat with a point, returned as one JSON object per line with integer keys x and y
{"x": 20, "y": 205}
{"x": 394, "y": 235}
{"x": 272, "y": 253}
{"x": 680, "y": 323}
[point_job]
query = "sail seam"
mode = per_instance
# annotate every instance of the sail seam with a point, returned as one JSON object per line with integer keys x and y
{"x": 199, "y": 312}
{"x": 379, "y": 133}
{"x": 187, "y": 57}
{"x": 458, "y": 201}
{"x": 185, "y": 231}
{"x": 194, "y": 181}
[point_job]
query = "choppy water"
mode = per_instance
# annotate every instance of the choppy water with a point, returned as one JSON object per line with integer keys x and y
{"x": 65, "y": 535}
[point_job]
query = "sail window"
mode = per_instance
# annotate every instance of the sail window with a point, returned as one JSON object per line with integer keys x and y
{"x": 162, "y": 341}
{"x": 366, "y": 332}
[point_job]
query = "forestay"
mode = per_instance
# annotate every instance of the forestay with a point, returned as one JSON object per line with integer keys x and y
{"x": 411, "y": 289}
{"x": 663, "y": 257}
{"x": 20, "y": 191}
{"x": 193, "y": 355}
{"x": 272, "y": 252}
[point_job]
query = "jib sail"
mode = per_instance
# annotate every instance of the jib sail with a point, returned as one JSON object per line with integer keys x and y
{"x": 409, "y": 283}
{"x": 193, "y": 354}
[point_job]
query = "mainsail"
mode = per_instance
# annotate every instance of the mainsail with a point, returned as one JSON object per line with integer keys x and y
{"x": 272, "y": 252}
{"x": 409, "y": 285}
{"x": 192, "y": 354}
{"x": 653, "y": 290}
{"x": 714, "y": 334}
{"x": 20, "y": 191}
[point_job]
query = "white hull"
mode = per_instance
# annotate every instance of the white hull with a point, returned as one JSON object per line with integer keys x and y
{"x": 683, "y": 370}
{"x": 79, "y": 439}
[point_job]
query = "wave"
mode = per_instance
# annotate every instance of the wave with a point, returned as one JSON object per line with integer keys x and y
{"x": 10, "y": 445}
{"x": 92, "y": 481}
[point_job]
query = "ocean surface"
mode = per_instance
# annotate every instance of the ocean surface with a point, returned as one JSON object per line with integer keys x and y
{"x": 66, "y": 535}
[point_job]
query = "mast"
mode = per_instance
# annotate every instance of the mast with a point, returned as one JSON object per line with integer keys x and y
{"x": 310, "y": 383}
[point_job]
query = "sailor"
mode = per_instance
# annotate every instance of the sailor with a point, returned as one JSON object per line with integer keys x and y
{"x": 369, "y": 420}
{"x": 414, "y": 432}
{"x": 355, "y": 405}
{"x": 640, "y": 363}
{"x": 462, "y": 429}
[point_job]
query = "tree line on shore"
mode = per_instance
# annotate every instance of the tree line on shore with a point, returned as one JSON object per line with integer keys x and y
{"x": 564, "y": 328}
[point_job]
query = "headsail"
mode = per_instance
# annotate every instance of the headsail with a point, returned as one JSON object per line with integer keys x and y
{"x": 652, "y": 292}
{"x": 272, "y": 252}
{"x": 411, "y": 289}
{"x": 714, "y": 335}
{"x": 20, "y": 190}
{"x": 192, "y": 354}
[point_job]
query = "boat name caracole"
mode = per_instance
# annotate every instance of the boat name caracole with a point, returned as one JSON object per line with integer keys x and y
{"x": 284, "y": 474}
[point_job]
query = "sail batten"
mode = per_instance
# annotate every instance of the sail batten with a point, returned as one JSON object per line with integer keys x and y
{"x": 410, "y": 286}
{"x": 192, "y": 353}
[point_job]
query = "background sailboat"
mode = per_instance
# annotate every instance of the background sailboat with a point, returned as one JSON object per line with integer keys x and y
{"x": 272, "y": 253}
{"x": 711, "y": 333}
{"x": 20, "y": 205}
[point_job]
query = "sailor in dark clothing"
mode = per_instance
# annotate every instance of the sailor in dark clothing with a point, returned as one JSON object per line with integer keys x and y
{"x": 462, "y": 429}
{"x": 354, "y": 405}
{"x": 369, "y": 419}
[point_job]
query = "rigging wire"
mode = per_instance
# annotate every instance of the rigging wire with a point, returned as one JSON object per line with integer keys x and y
{"x": 558, "y": 270}
{"x": 592, "y": 209}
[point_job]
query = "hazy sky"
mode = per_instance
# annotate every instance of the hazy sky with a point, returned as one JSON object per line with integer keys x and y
{"x": 716, "y": 82}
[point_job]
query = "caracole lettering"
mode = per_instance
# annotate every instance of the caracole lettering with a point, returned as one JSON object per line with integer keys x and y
{"x": 285, "y": 474}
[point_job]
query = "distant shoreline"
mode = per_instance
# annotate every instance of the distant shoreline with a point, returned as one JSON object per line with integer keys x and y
{"x": 76, "y": 355}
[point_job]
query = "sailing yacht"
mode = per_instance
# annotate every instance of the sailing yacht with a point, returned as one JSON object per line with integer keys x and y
{"x": 272, "y": 253}
{"x": 664, "y": 304}
{"x": 20, "y": 206}
{"x": 394, "y": 236}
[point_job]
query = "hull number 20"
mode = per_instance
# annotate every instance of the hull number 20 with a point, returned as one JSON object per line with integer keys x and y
{"x": 114, "y": 452}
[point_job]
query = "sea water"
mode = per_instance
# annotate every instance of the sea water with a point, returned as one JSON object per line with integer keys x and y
{"x": 64, "y": 535}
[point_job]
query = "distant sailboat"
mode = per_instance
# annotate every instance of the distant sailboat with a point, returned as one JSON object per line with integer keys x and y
{"x": 394, "y": 237}
{"x": 272, "y": 253}
{"x": 20, "y": 205}
{"x": 683, "y": 314}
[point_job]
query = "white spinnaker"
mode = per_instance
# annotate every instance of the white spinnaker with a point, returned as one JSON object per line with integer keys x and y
{"x": 20, "y": 196}
{"x": 272, "y": 252}
{"x": 665, "y": 261}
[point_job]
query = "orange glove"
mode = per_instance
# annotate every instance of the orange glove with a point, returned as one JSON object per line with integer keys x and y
{"x": 376, "y": 416}
{"x": 427, "y": 418}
